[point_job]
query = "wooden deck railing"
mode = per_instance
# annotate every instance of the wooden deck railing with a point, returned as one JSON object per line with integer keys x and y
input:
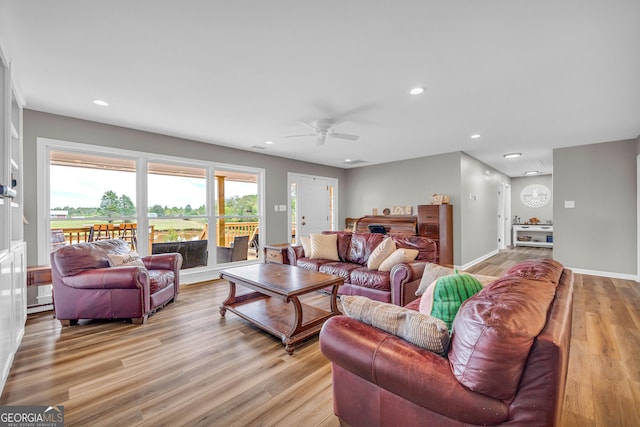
{"x": 231, "y": 229}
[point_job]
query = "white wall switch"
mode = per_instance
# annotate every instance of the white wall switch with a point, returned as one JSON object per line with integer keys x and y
{"x": 283, "y": 208}
{"x": 275, "y": 208}
{"x": 569, "y": 204}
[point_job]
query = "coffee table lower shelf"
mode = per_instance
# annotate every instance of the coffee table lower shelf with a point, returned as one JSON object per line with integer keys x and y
{"x": 273, "y": 301}
{"x": 279, "y": 318}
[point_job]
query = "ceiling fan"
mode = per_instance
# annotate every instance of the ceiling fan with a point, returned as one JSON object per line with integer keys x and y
{"x": 322, "y": 129}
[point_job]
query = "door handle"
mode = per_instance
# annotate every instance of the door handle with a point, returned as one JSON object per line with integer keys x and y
{"x": 304, "y": 223}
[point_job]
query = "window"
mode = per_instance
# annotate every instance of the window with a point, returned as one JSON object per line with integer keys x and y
{"x": 91, "y": 196}
{"x": 177, "y": 211}
{"x": 237, "y": 215}
{"x": 157, "y": 203}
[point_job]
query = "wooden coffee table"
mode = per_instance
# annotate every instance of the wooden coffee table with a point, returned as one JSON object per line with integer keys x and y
{"x": 275, "y": 305}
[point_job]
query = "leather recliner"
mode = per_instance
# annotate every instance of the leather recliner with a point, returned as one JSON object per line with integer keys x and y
{"x": 86, "y": 287}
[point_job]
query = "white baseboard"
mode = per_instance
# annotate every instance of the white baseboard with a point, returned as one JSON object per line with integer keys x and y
{"x": 606, "y": 274}
{"x": 478, "y": 260}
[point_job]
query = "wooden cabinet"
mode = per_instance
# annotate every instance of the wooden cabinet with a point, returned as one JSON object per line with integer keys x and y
{"x": 436, "y": 223}
{"x": 276, "y": 253}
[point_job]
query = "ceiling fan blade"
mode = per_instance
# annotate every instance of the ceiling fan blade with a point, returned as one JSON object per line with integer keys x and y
{"x": 308, "y": 124}
{"x": 304, "y": 134}
{"x": 346, "y": 136}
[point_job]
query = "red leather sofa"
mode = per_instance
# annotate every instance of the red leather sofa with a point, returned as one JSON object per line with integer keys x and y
{"x": 499, "y": 370}
{"x": 86, "y": 287}
{"x": 397, "y": 286}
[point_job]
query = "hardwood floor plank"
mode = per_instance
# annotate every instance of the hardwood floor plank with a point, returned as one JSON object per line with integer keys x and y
{"x": 189, "y": 366}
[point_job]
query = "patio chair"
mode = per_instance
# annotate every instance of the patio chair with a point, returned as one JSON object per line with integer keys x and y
{"x": 237, "y": 252}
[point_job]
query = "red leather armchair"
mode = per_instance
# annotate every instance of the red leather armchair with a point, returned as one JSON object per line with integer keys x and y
{"x": 86, "y": 287}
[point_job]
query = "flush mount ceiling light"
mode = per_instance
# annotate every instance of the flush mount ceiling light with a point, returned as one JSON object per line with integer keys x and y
{"x": 475, "y": 136}
{"x": 101, "y": 102}
{"x": 416, "y": 91}
{"x": 531, "y": 173}
{"x": 512, "y": 155}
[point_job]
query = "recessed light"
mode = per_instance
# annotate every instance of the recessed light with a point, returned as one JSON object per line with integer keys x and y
{"x": 416, "y": 91}
{"x": 512, "y": 155}
{"x": 475, "y": 136}
{"x": 347, "y": 160}
{"x": 101, "y": 102}
{"x": 531, "y": 173}
{"x": 268, "y": 142}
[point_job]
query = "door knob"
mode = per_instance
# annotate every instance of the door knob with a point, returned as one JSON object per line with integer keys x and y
{"x": 304, "y": 223}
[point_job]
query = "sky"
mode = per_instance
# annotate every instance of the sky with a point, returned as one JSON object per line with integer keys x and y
{"x": 81, "y": 187}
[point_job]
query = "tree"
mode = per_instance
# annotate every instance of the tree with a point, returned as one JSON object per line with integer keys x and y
{"x": 157, "y": 209}
{"x": 109, "y": 204}
{"x": 127, "y": 208}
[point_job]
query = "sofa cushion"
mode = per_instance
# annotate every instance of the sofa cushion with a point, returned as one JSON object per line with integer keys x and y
{"x": 493, "y": 333}
{"x": 324, "y": 246}
{"x": 446, "y": 295}
{"x": 344, "y": 241}
{"x": 73, "y": 259}
{"x": 380, "y": 253}
{"x": 362, "y": 246}
{"x": 342, "y": 269}
{"x": 159, "y": 279}
{"x": 311, "y": 264}
{"x": 427, "y": 249}
{"x": 306, "y": 245}
{"x": 432, "y": 272}
{"x": 372, "y": 279}
{"x": 419, "y": 329}
{"x": 128, "y": 259}
{"x": 397, "y": 257}
{"x": 539, "y": 269}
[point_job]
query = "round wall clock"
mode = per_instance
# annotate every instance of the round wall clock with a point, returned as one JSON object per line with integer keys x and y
{"x": 535, "y": 195}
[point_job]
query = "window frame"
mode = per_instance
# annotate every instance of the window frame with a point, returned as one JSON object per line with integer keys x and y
{"x": 44, "y": 147}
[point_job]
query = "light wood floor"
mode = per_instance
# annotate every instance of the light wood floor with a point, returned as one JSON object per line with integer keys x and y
{"x": 189, "y": 366}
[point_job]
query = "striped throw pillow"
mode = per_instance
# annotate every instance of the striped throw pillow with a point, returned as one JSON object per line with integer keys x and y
{"x": 444, "y": 298}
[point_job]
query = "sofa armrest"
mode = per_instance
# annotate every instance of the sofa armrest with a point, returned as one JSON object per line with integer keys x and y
{"x": 404, "y": 281}
{"x": 293, "y": 253}
{"x": 168, "y": 261}
{"x": 130, "y": 277}
{"x": 408, "y": 371}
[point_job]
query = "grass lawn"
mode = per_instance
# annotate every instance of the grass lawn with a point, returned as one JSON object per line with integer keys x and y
{"x": 159, "y": 224}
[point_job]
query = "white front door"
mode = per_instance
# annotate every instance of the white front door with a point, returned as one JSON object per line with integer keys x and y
{"x": 314, "y": 203}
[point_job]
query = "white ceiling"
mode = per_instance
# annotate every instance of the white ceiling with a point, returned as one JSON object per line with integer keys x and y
{"x": 529, "y": 76}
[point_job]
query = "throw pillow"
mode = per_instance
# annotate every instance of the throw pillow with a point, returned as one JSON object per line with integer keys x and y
{"x": 444, "y": 298}
{"x": 380, "y": 253}
{"x": 121, "y": 260}
{"x": 324, "y": 246}
{"x": 306, "y": 246}
{"x": 398, "y": 256}
{"x": 419, "y": 329}
{"x": 432, "y": 272}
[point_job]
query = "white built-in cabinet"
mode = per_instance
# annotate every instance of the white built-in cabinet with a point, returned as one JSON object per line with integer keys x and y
{"x": 540, "y": 236}
{"x": 13, "y": 266}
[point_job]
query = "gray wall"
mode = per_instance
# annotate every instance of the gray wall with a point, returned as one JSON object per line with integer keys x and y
{"x": 518, "y": 208}
{"x": 600, "y": 233}
{"x": 38, "y": 124}
{"x": 407, "y": 183}
{"x": 478, "y": 209}
{"x": 412, "y": 182}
